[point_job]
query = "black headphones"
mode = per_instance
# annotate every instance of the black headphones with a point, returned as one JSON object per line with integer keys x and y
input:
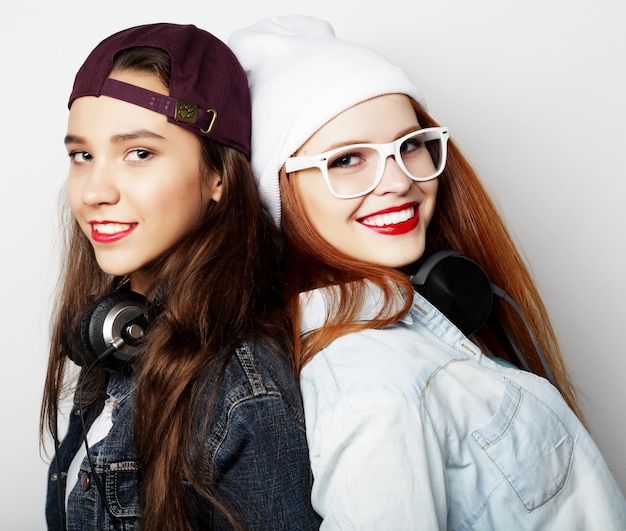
{"x": 112, "y": 329}
{"x": 457, "y": 287}
{"x": 460, "y": 289}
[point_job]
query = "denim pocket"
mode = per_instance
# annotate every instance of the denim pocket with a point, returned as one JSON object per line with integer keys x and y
{"x": 122, "y": 490}
{"x": 530, "y": 446}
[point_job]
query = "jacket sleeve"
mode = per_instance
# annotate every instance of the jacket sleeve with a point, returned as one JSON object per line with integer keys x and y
{"x": 263, "y": 465}
{"x": 376, "y": 462}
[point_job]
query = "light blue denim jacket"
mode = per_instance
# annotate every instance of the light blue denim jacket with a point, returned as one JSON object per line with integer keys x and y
{"x": 255, "y": 442}
{"x": 412, "y": 427}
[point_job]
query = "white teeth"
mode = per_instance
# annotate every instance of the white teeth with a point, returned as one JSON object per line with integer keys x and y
{"x": 391, "y": 218}
{"x": 111, "y": 228}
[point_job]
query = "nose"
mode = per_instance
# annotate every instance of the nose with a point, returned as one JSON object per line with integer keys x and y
{"x": 100, "y": 185}
{"x": 394, "y": 179}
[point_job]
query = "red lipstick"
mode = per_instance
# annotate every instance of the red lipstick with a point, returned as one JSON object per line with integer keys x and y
{"x": 102, "y": 237}
{"x": 395, "y": 229}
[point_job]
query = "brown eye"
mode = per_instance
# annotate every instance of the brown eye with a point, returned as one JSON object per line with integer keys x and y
{"x": 412, "y": 144}
{"x": 139, "y": 154}
{"x": 345, "y": 160}
{"x": 80, "y": 157}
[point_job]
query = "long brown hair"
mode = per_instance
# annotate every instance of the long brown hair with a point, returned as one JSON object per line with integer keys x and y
{"x": 219, "y": 285}
{"x": 465, "y": 220}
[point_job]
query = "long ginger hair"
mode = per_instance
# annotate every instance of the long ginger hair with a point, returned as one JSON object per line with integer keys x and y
{"x": 220, "y": 285}
{"x": 465, "y": 220}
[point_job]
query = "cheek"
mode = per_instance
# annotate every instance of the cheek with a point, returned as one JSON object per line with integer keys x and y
{"x": 429, "y": 190}
{"x": 184, "y": 202}
{"x": 74, "y": 196}
{"x": 319, "y": 205}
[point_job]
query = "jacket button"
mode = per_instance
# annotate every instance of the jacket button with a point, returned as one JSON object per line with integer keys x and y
{"x": 85, "y": 482}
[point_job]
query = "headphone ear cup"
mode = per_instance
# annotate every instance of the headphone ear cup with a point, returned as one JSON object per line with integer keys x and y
{"x": 118, "y": 317}
{"x": 458, "y": 287}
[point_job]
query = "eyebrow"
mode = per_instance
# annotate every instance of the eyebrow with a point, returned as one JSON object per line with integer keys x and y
{"x": 122, "y": 137}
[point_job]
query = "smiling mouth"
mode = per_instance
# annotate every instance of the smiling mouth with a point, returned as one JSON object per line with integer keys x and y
{"x": 111, "y": 228}
{"x": 105, "y": 233}
{"x": 389, "y": 218}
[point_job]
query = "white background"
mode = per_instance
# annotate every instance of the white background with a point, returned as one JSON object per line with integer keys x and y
{"x": 533, "y": 92}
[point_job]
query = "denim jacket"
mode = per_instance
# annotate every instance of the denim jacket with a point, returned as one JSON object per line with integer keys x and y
{"x": 412, "y": 427}
{"x": 255, "y": 443}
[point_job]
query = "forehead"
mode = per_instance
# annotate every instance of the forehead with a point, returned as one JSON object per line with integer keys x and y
{"x": 101, "y": 117}
{"x": 376, "y": 120}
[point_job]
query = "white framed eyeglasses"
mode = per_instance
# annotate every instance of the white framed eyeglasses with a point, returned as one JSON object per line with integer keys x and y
{"x": 355, "y": 170}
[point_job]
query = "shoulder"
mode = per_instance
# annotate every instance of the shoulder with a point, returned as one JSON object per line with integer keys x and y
{"x": 394, "y": 359}
{"x": 256, "y": 372}
{"x": 260, "y": 367}
{"x": 253, "y": 390}
{"x": 316, "y": 305}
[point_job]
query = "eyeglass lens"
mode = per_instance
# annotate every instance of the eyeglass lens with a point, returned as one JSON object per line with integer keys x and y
{"x": 355, "y": 169}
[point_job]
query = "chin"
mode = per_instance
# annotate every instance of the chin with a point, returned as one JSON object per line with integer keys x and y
{"x": 394, "y": 256}
{"x": 400, "y": 262}
{"x": 115, "y": 270}
{"x": 404, "y": 259}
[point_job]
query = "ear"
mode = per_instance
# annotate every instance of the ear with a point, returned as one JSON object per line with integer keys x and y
{"x": 215, "y": 192}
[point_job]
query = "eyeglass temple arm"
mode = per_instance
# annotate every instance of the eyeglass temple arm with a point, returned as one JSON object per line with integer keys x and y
{"x": 303, "y": 163}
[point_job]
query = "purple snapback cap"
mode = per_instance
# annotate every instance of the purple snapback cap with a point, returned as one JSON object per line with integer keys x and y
{"x": 208, "y": 91}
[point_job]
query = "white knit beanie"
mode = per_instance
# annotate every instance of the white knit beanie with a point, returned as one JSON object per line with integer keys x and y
{"x": 300, "y": 77}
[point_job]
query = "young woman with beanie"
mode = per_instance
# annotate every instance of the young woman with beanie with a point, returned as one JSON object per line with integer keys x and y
{"x": 186, "y": 409}
{"x": 415, "y": 419}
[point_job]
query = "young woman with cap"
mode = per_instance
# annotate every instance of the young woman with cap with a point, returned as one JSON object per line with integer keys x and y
{"x": 186, "y": 410}
{"x": 411, "y": 424}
